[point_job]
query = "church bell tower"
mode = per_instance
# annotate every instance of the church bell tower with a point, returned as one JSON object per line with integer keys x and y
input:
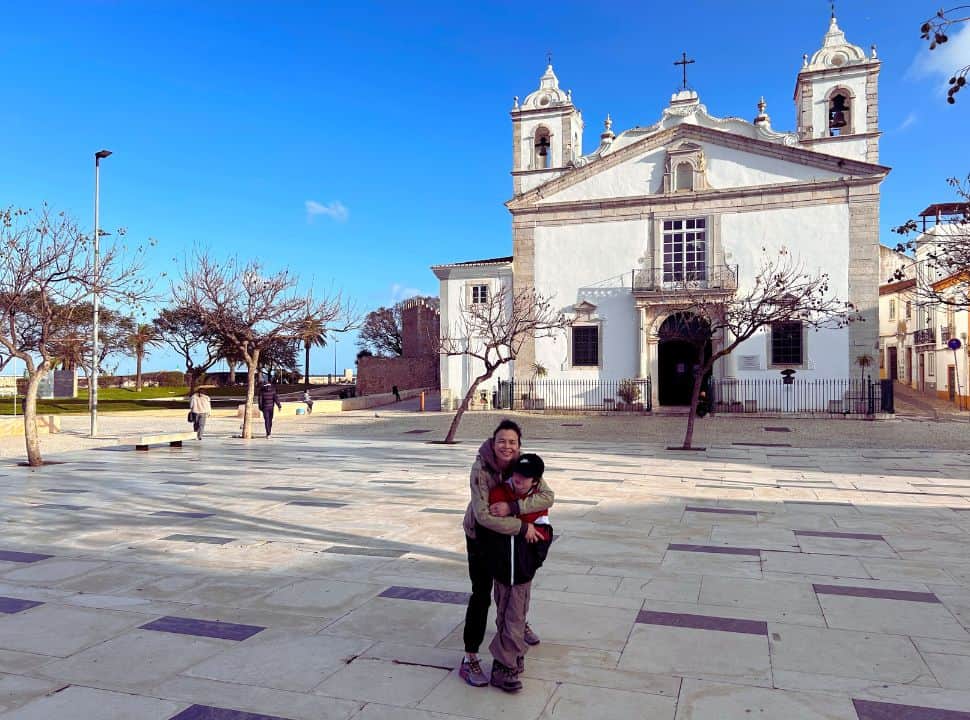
{"x": 837, "y": 99}
{"x": 547, "y": 134}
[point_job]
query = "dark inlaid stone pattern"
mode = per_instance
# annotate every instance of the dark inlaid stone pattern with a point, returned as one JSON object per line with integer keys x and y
{"x": 721, "y": 511}
{"x": 443, "y": 511}
{"x": 839, "y": 535}
{"x": 703, "y": 622}
{"x": 58, "y": 506}
{"x": 777, "y": 429}
{"x": 399, "y": 592}
{"x": 416, "y": 431}
{"x": 875, "y": 593}
{"x": 11, "y": 605}
{"x": 366, "y": 551}
{"x": 207, "y": 539}
{"x": 318, "y": 503}
{"x": 565, "y": 501}
{"x": 716, "y": 549}
{"x": 394, "y": 482}
{"x": 179, "y": 513}
{"x": 202, "y": 628}
{"x": 754, "y": 444}
{"x": 64, "y": 491}
{"x": 183, "y": 482}
{"x": 210, "y": 712}
{"x": 872, "y": 710}
{"x": 287, "y": 488}
{"x": 22, "y": 557}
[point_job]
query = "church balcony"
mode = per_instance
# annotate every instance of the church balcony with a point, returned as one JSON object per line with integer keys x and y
{"x": 678, "y": 281}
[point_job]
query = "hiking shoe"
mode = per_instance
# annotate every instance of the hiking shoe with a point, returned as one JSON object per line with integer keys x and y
{"x": 505, "y": 678}
{"x": 530, "y": 635}
{"x": 471, "y": 673}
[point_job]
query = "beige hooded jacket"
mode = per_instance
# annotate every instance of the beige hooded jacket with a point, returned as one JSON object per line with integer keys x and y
{"x": 485, "y": 475}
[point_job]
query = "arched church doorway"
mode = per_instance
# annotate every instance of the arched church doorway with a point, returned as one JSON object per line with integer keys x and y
{"x": 680, "y": 335}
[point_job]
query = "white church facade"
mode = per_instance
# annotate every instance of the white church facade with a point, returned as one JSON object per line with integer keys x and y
{"x": 602, "y": 233}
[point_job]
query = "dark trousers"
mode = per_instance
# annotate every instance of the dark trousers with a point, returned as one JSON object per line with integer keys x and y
{"x": 476, "y": 616}
{"x": 268, "y": 421}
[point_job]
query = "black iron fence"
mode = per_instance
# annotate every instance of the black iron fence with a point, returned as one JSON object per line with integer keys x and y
{"x": 630, "y": 395}
{"x": 685, "y": 278}
{"x": 841, "y": 396}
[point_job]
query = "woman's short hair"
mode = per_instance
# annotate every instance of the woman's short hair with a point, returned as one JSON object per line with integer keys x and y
{"x": 508, "y": 425}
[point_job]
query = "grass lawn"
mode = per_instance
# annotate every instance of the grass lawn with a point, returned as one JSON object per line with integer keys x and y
{"x": 125, "y": 399}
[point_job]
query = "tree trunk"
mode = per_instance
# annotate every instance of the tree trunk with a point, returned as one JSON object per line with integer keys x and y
{"x": 694, "y": 395}
{"x": 465, "y": 401}
{"x": 232, "y": 373}
{"x": 306, "y": 368}
{"x": 247, "y": 432}
{"x": 30, "y": 418}
{"x": 138, "y": 359}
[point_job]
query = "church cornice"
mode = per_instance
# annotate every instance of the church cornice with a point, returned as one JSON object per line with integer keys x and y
{"x": 695, "y": 132}
{"x": 816, "y": 190}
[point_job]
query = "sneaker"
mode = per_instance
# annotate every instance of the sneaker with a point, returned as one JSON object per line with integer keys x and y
{"x": 505, "y": 678}
{"x": 530, "y": 635}
{"x": 471, "y": 673}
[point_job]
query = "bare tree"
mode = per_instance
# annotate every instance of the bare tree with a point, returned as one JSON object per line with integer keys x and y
{"x": 781, "y": 291}
{"x": 942, "y": 255}
{"x": 492, "y": 333}
{"x": 183, "y": 330}
{"x": 248, "y": 310}
{"x": 935, "y": 30}
{"x": 46, "y": 273}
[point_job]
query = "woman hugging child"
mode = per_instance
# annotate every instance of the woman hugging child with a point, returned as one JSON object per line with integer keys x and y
{"x": 513, "y": 563}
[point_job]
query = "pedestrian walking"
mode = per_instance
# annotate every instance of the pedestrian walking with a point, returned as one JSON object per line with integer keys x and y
{"x": 268, "y": 401}
{"x": 308, "y": 400}
{"x": 397, "y": 393}
{"x": 200, "y": 405}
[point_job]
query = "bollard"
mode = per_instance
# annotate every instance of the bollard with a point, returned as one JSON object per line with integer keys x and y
{"x": 422, "y": 401}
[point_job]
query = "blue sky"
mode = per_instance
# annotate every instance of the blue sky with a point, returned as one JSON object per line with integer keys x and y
{"x": 359, "y": 144}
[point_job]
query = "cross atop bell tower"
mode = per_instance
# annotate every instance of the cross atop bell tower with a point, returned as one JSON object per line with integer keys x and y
{"x": 684, "y": 62}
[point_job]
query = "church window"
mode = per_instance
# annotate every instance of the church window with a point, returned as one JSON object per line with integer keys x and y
{"x": 892, "y": 309}
{"x": 586, "y": 345}
{"x": 479, "y": 294}
{"x": 909, "y": 310}
{"x": 684, "y": 177}
{"x": 685, "y": 249}
{"x": 839, "y": 114}
{"x": 542, "y": 152}
{"x": 787, "y": 346}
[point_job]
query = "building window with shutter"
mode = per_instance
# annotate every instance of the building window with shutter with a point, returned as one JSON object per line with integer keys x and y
{"x": 586, "y": 345}
{"x": 685, "y": 250}
{"x": 787, "y": 344}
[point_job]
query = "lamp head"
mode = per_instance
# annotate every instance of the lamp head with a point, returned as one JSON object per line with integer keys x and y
{"x": 102, "y": 154}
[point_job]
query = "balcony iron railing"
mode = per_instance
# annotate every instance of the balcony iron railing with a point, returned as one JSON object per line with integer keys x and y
{"x": 926, "y": 336}
{"x": 716, "y": 277}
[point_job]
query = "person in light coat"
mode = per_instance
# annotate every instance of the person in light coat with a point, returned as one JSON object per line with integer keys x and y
{"x": 201, "y": 406}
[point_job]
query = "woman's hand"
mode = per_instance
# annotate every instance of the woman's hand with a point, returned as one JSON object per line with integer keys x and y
{"x": 532, "y": 535}
{"x": 500, "y": 509}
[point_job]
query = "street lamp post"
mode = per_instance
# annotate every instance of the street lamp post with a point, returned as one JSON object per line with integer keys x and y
{"x": 93, "y": 390}
{"x": 335, "y": 359}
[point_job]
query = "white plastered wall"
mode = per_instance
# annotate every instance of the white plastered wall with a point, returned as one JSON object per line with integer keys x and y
{"x": 819, "y": 237}
{"x": 591, "y": 262}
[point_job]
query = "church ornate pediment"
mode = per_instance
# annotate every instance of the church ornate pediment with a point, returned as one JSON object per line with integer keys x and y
{"x": 584, "y": 310}
{"x": 685, "y": 168}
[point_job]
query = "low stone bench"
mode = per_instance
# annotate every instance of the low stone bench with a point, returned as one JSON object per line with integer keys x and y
{"x": 174, "y": 439}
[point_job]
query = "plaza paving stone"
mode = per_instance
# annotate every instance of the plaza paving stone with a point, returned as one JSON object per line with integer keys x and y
{"x": 322, "y": 575}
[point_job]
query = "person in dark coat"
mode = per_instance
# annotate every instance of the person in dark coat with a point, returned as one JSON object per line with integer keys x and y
{"x": 268, "y": 401}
